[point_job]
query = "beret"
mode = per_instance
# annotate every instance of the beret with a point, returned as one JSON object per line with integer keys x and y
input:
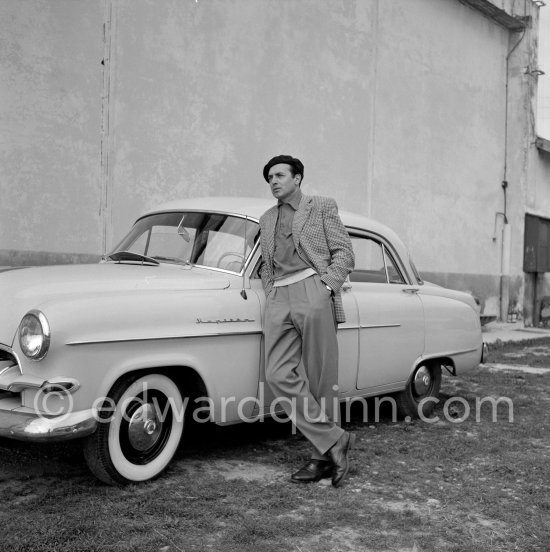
{"x": 289, "y": 160}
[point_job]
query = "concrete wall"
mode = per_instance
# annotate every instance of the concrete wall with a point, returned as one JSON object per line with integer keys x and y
{"x": 50, "y": 118}
{"x": 205, "y": 92}
{"x": 439, "y": 140}
{"x": 397, "y": 108}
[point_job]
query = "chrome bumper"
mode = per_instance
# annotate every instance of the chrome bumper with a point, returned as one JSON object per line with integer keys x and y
{"x": 31, "y": 427}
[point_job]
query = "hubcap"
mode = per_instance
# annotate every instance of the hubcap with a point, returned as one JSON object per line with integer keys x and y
{"x": 144, "y": 428}
{"x": 422, "y": 381}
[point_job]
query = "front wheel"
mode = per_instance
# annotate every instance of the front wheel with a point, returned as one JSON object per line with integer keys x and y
{"x": 139, "y": 430}
{"x": 416, "y": 399}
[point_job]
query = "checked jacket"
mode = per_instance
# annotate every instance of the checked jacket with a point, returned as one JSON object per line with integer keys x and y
{"x": 321, "y": 240}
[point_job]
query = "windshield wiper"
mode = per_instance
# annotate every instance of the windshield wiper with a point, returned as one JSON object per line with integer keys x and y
{"x": 129, "y": 256}
{"x": 171, "y": 259}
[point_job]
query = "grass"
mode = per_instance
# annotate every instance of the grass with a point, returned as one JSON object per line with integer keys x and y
{"x": 451, "y": 485}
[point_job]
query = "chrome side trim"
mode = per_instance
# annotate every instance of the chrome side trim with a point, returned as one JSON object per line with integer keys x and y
{"x": 367, "y": 326}
{"x": 224, "y": 320}
{"x": 162, "y": 338}
{"x": 370, "y": 326}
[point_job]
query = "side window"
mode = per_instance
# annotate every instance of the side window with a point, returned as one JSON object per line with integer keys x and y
{"x": 394, "y": 275}
{"x": 369, "y": 261}
{"x": 373, "y": 262}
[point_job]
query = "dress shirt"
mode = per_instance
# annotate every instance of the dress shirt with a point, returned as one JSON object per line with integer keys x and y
{"x": 286, "y": 261}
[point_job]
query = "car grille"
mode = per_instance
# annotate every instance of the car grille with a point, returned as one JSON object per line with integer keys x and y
{"x": 7, "y": 355}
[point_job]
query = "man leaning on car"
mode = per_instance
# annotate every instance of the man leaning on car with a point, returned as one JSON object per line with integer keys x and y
{"x": 307, "y": 255}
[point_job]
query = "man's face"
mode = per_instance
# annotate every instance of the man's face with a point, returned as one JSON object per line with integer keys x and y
{"x": 282, "y": 183}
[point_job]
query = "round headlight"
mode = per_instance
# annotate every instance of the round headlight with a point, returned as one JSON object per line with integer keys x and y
{"x": 34, "y": 335}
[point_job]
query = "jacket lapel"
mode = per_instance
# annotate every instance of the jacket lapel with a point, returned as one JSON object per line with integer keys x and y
{"x": 300, "y": 218}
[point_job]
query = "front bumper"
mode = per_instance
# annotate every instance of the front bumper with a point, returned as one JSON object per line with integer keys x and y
{"x": 26, "y": 426}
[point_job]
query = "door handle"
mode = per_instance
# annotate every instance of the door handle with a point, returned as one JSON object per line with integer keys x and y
{"x": 410, "y": 290}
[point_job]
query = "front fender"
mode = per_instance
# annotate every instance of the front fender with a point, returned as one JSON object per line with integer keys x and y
{"x": 98, "y": 340}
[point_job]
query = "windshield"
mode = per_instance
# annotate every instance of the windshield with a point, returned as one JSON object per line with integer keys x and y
{"x": 206, "y": 239}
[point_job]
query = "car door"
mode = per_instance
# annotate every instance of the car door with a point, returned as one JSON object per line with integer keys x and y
{"x": 391, "y": 318}
{"x": 348, "y": 342}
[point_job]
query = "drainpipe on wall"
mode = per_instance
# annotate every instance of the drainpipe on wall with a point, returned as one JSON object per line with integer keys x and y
{"x": 506, "y": 242}
{"x": 505, "y": 274}
{"x": 105, "y": 211}
{"x": 505, "y": 256}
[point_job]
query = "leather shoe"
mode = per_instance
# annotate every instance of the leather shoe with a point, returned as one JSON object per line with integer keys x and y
{"x": 339, "y": 454}
{"x": 314, "y": 470}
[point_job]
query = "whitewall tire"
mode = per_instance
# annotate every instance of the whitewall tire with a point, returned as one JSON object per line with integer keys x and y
{"x": 137, "y": 440}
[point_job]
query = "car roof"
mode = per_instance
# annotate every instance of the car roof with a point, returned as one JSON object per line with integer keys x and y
{"x": 254, "y": 207}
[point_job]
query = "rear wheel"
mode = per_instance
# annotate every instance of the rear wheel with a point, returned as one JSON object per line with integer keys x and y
{"x": 424, "y": 384}
{"x": 137, "y": 440}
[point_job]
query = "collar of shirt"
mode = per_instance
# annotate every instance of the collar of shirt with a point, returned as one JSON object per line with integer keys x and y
{"x": 293, "y": 200}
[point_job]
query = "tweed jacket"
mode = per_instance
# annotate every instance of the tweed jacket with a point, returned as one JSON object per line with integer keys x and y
{"x": 320, "y": 239}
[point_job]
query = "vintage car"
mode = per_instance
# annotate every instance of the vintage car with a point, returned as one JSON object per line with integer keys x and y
{"x": 120, "y": 353}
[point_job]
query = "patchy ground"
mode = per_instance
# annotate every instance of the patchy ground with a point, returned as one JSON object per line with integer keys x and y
{"x": 534, "y": 353}
{"x": 476, "y": 477}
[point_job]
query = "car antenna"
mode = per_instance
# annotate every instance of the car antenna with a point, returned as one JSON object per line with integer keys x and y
{"x": 243, "y": 291}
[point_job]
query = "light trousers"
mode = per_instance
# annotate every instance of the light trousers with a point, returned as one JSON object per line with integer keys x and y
{"x": 302, "y": 359}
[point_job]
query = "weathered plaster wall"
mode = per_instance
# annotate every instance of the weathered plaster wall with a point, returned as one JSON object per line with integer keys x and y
{"x": 207, "y": 91}
{"x": 440, "y": 132}
{"x": 525, "y": 168}
{"x": 50, "y": 114}
{"x": 398, "y": 109}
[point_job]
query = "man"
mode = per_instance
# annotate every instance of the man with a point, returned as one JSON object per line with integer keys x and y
{"x": 307, "y": 255}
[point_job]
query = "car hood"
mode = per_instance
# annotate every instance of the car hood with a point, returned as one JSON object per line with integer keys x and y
{"x": 29, "y": 288}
